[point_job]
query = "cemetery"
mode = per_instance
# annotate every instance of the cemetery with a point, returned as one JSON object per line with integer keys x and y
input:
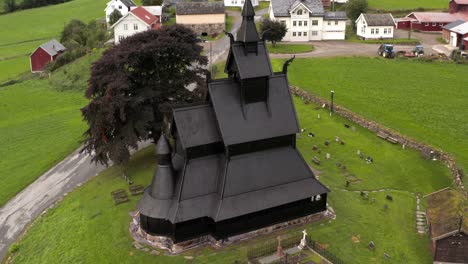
{"x": 360, "y": 219}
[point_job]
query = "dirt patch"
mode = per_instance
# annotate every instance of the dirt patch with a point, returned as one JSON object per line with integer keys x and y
{"x": 356, "y": 238}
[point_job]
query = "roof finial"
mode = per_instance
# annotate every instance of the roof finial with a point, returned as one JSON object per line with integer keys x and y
{"x": 286, "y": 64}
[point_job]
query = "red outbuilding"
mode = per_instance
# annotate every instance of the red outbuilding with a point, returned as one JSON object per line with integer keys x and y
{"x": 458, "y": 6}
{"x": 429, "y": 21}
{"x": 44, "y": 54}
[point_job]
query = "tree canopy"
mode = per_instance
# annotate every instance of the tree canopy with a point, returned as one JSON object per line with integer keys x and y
{"x": 354, "y": 8}
{"x": 133, "y": 85}
{"x": 152, "y": 2}
{"x": 114, "y": 16}
{"x": 273, "y": 31}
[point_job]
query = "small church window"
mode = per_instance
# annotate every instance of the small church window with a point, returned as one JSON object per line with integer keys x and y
{"x": 135, "y": 26}
{"x": 299, "y": 12}
{"x": 120, "y": 7}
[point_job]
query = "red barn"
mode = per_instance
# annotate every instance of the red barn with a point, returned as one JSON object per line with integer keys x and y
{"x": 44, "y": 54}
{"x": 458, "y": 6}
{"x": 429, "y": 21}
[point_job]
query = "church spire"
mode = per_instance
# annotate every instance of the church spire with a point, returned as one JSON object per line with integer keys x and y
{"x": 162, "y": 187}
{"x": 248, "y": 32}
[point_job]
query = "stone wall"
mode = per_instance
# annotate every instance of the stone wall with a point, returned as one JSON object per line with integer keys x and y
{"x": 210, "y": 29}
{"x": 426, "y": 150}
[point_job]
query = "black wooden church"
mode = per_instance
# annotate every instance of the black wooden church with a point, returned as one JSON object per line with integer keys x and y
{"x": 233, "y": 166}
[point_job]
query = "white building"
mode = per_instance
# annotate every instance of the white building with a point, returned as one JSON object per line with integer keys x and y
{"x": 239, "y": 3}
{"x": 375, "y": 26}
{"x": 136, "y": 21}
{"x": 306, "y": 20}
{"x": 123, "y": 6}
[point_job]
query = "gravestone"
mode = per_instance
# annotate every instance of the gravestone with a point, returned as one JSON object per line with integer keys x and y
{"x": 303, "y": 243}
{"x": 371, "y": 245}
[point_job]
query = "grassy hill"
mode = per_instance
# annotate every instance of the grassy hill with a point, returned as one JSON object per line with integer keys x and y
{"x": 23, "y": 31}
{"x": 40, "y": 125}
{"x": 426, "y": 101}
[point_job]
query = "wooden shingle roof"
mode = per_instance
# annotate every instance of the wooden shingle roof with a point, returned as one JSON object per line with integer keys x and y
{"x": 199, "y": 8}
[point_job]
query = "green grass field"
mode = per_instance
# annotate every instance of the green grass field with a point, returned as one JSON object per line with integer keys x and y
{"x": 426, "y": 101}
{"x": 100, "y": 229}
{"x": 40, "y": 125}
{"x": 403, "y": 4}
{"x": 9, "y": 69}
{"x": 290, "y": 48}
{"x": 36, "y": 26}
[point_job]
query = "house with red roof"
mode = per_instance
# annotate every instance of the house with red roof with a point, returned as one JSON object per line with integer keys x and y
{"x": 136, "y": 21}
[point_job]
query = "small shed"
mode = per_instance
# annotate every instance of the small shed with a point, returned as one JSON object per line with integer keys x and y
{"x": 44, "y": 54}
{"x": 458, "y": 34}
{"x": 446, "y": 29}
{"x": 375, "y": 26}
{"x": 202, "y": 17}
{"x": 447, "y": 215}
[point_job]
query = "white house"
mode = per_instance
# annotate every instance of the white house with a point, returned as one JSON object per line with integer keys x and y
{"x": 137, "y": 20}
{"x": 239, "y": 3}
{"x": 123, "y": 6}
{"x": 306, "y": 20}
{"x": 375, "y": 26}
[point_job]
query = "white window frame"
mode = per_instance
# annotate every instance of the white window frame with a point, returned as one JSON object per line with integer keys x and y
{"x": 135, "y": 26}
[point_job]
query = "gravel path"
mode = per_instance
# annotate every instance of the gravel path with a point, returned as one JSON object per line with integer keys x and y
{"x": 20, "y": 211}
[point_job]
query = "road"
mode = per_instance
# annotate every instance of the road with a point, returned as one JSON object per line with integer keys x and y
{"x": 52, "y": 186}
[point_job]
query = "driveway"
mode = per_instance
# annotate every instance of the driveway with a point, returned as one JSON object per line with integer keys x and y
{"x": 52, "y": 186}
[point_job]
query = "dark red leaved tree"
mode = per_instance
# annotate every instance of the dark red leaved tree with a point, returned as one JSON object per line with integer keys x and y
{"x": 134, "y": 83}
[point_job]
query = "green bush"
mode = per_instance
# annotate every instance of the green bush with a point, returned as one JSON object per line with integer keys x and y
{"x": 14, "y": 248}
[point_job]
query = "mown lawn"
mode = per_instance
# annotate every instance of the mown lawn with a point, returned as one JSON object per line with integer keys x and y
{"x": 38, "y": 25}
{"x": 426, "y": 101}
{"x": 100, "y": 229}
{"x": 9, "y": 69}
{"x": 38, "y": 128}
{"x": 40, "y": 124}
{"x": 290, "y": 48}
{"x": 404, "y": 4}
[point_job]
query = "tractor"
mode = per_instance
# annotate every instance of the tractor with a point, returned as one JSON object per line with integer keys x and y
{"x": 386, "y": 51}
{"x": 418, "y": 51}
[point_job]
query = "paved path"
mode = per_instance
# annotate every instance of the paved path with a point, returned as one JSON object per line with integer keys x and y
{"x": 43, "y": 193}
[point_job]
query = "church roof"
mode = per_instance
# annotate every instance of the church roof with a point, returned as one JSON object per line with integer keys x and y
{"x": 196, "y": 125}
{"x": 216, "y": 188}
{"x": 262, "y": 120}
{"x": 250, "y": 65}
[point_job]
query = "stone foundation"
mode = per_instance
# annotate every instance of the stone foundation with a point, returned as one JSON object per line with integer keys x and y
{"x": 165, "y": 243}
{"x": 210, "y": 29}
